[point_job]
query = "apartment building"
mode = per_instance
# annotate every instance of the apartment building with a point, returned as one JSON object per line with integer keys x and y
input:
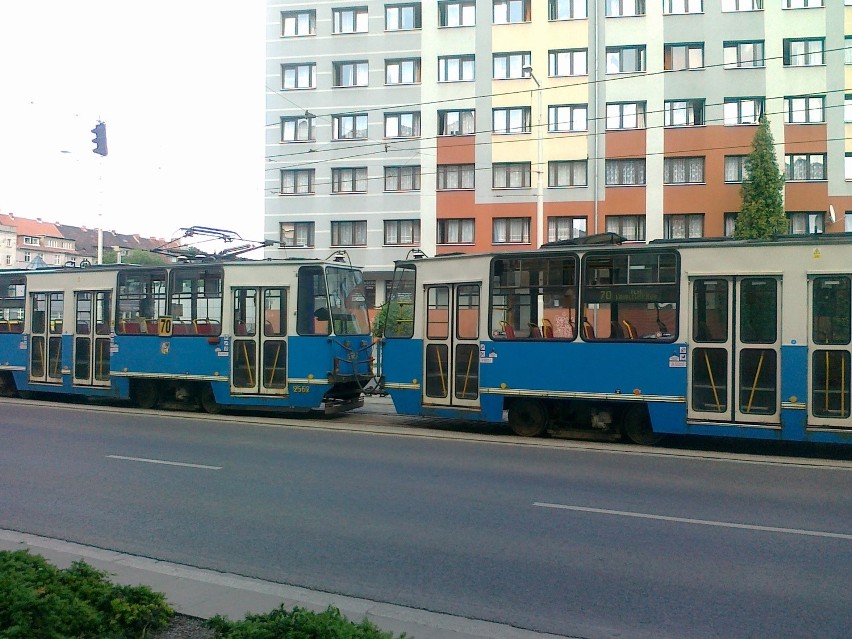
{"x": 483, "y": 125}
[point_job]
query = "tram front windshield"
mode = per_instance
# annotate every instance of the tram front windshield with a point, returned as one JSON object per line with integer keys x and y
{"x": 348, "y": 301}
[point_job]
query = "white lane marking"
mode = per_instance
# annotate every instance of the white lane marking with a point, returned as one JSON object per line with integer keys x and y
{"x": 162, "y": 461}
{"x": 700, "y": 522}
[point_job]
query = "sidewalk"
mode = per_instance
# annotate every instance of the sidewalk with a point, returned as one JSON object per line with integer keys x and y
{"x": 203, "y": 593}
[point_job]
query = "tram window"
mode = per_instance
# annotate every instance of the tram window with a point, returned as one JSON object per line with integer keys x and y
{"x": 831, "y": 310}
{"x": 275, "y": 312}
{"x": 710, "y": 310}
{"x": 348, "y": 300}
{"x": 12, "y": 303}
{"x": 245, "y": 311}
{"x": 534, "y": 298}
{"x": 396, "y": 319}
{"x": 196, "y": 301}
{"x": 468, "y": 312}
{"x": 84, "y": 314}
{"x": 758, "y": 310}
{"x": 438, "y": 312}
{"x": 312, "y": 314}
{"x": 141, "y": 301}
{"x": 55, "y": 312}
{"x": 103, "y": 303}
{"x": 629, "y": 296}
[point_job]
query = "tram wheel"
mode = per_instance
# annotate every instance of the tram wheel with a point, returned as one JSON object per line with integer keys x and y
{"x": 637, "y": 427}
{"x": 528, "y": 417}
{"x": 208, "y": 401}
{"x": 145, "y": 393}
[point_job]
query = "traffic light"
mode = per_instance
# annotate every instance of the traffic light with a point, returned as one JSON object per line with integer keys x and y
{"x": 100, "y": 139}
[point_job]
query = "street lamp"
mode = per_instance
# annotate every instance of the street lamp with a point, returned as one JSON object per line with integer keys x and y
{"x": 539, "y": 201}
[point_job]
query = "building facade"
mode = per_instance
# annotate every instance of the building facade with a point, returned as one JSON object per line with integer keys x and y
{"x": 481, "y": 125}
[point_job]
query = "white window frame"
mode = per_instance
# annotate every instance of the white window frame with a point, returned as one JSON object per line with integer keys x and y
{"x": 567, "y": 118}
{"x": 510, "y": 66}
{"x": 567, "y": 62}
{"x": 617, "y": 59}
{"x": 358, "y": 70}
{"x": 457, "y": 122}
{"x": 348, "y": 20}
{"x": 804, "y": 109}
{"x": 457, "y": 68}
{"x": 567, "y": 173}
{"x": 625, "y": 115}
{"x": 298, "y": 76}
{"x": 396, "y": 124}
{"x": 742, "y": 111}
{"x": 682, "y": 113}
{"x": 456, "y": 13}
{"x": 402, "y": 71}
{"x": 298, "y": 24}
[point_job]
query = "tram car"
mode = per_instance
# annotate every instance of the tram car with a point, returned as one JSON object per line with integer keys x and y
{"x": 725, "y": 338}
{"x": 289, "y": 335}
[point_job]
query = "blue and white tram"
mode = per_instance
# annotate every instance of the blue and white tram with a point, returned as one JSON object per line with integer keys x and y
{"x": 289, "y": 335}
{"x": 721, "y": 338}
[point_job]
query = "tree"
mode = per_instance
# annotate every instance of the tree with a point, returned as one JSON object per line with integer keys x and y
{"x": 762, "y": 214}
{"x": 134, "y": 256}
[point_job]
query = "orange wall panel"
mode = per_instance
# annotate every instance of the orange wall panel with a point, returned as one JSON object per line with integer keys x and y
{"x": 456, "y": 149}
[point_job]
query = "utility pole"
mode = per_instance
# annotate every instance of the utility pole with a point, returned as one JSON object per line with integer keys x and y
{"x": 100, "y": 141}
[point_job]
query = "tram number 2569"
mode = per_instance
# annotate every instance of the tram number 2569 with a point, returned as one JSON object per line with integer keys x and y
{"x": 300, "y": 388}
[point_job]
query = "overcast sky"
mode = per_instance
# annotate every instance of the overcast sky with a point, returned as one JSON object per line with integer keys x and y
{"x": 180, "y": 86}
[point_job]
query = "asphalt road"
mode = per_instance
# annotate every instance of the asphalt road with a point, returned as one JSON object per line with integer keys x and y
{"x": 573, "y": 539}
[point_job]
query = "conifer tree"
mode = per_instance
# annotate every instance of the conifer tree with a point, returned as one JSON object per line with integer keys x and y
{"x": 762, "y": 214}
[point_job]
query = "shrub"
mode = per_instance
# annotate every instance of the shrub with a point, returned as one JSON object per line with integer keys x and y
{"x": 297, "y": 623}
{"x": 40, "y": 601}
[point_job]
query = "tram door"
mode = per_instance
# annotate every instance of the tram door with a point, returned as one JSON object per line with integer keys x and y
{"x": 46, "y": 337}
{"x": 259, "y": 348}
{"x": 735, "y": 349}
{"x": 451, "y": 345}
{"x": 92, "y": 337}
{"x": 829, "y": 354}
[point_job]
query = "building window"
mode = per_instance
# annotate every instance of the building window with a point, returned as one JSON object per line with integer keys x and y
{"x": 683, "y": 170}
{"x": 402, "y": 178}
{"x": 683, "y": 57}
{"x": 351, "y": 74}
{"x": 743, "y": 55}
{"x": 565, "y": 228}
{"x": 567, "y": 9}
{"x": 803, "y": 4}
{"x": 624, "y": 8}
{"x": 681, "y": 227}
{"x": 32, "y": 241}
{"x": 735, "y": 168}
{"x": 806, "y": 109}
{"x": 349, "y": 180}
{"x": 742, "y": 111}
{"x": 742, "y": 5}
{"x": 27, "y": 256}
{"x": 510, "y": 11}
{"x": 297, "y": 181}
{"x": 804, "y": 166}
{"x": 625, "y": 59}
{"x": 564, "y": 118}
{"x": 402, "y": 71}
{"x": 402, "y": 17}
{"x": 455, "y": 176}
{"x": 511, "y": 230}
{"x": 461, "y": 122}
{"x": 805, "y": 52}
{"x": 630, "y": 227}
{"x": 847, "y": 50}
{"x": 457, "y": 13}
{"x": 350, "y": 126}
{"x": 730, "y": 224}
{"x": 510, "y": 66}
{"x": 806, "y": 222}
{"x": 297, "y": 129}
{"x": 349, "y": 20}
{"x": 847, "y": 108}
{"x": 402, "y": 125}
{"x": 682, "y": 7}
{"x": 512, "y": 120}
{"x": 567, "y": 173}
{"x": 298, "y": 23}
{"x": 567, "y": 62}
{"x": 8, "y": 260}
{"x": 402, "y": 232}
{"x": 683, "y": 113}
{"x": 349, "y": 233}
{"x": 847, "y": 166}
{"x": 455, "y": 231}
{"x": 625, "y": 172}
{"x": 298, "y": 76}
{"x": 456, "y": 68}
{"x": 625, "y": 115}
{"x": 297, "y": 234}
{"x": 511, "y": 175}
